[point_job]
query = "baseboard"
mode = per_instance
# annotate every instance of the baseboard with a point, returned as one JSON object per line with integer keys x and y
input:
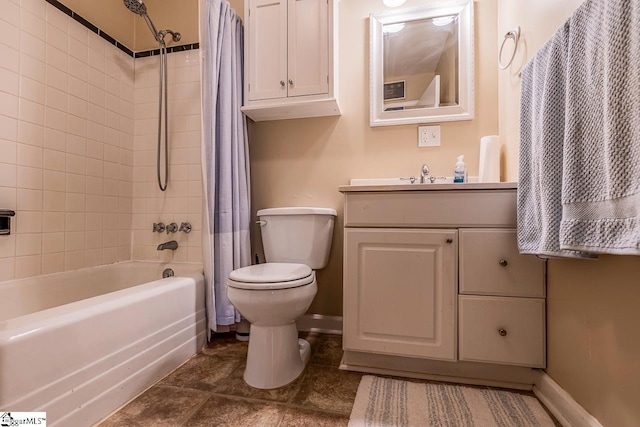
{"x": 320, "y": 323}
{"x": 568, "y": 412}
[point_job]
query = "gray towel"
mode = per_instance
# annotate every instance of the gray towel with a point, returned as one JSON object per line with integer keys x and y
{"x": 579, "y": 186}
{"x": 542, "y": 112}
{"x": 601, "y": 179}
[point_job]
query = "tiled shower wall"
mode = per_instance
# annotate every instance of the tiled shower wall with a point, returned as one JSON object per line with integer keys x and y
{"x": 66, "y": 143}
{"x": 182, "y": 202}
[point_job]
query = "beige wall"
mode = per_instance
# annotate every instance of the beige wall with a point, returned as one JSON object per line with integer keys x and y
{"x": 117, "y": 21}
{"x": 593, "y": 343}
{"x": 302, "y": 162}
{"x": 66, "y": 143}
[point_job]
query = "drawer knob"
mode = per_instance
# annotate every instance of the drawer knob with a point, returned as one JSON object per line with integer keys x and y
{"x": 282, "y": 83}
{"x": 503, "y": 262}
{"x": 502, "y": 332}
{"x": 449, "y": 240}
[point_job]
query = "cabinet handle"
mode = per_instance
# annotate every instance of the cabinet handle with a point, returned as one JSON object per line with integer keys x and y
{"x": 503, "y": 262}
{"x": 449, "y": 240}
{"x": 502, "y": 332}
{"x": 291, "y": 82}
{"x": 282, "y": 83}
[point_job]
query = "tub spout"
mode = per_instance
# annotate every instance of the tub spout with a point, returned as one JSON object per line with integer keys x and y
{"x": 173, "y": 245}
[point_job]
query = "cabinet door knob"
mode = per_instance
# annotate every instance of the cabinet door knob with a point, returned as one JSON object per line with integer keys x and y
{"x": 291, "y": 82}
{"x": 502, "y": 332}
{"x": 503, "y": 262}
{"x": 282, "y": 83}
{"x": 449, "y": 240}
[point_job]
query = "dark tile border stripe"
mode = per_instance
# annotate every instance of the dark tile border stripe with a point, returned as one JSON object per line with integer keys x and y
{"x": 64, "y": 9}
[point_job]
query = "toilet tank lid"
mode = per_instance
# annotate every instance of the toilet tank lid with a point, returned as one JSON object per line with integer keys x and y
{"x": 297, "y": 211}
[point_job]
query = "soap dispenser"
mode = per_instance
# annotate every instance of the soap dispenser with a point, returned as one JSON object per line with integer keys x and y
{"x": 460, "y": 171}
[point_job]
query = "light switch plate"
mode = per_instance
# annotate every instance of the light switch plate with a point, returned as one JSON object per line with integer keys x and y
{"x": 428, "y": 136}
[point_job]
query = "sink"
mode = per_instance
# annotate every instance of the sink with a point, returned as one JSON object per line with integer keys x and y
{"x": 398, "y": 181}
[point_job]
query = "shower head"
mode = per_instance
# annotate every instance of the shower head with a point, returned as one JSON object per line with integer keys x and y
{"x": 139, "y": 8}
{"x": 136, "y": 6}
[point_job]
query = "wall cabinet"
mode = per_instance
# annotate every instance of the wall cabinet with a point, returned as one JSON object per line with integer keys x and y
{"x": 290, "y": 59}
{"x": 436, "y": 274}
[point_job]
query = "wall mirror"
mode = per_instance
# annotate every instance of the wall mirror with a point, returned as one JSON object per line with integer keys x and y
{"x": 421, "y": 64}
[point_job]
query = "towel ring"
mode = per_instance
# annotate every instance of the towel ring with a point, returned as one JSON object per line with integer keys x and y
{"x": 515, "y": 35}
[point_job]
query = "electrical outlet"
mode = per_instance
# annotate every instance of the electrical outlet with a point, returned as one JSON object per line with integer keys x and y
{"x": 428, "y": 136}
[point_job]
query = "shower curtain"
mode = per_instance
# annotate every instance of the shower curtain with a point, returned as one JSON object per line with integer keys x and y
{"x": 225, "y": 160}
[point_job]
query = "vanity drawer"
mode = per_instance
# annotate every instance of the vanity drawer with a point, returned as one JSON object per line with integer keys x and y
{"x": 491, "y": 265}
{"x": 503, "y": 330}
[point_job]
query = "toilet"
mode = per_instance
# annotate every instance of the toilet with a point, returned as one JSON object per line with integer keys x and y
{"x": 273, "y": 295}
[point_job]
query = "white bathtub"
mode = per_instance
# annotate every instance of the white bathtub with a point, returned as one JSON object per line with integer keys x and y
{"x": 80, "y": 344}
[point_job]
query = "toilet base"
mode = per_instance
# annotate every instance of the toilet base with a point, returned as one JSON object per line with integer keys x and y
{"x": 276, "y": 356}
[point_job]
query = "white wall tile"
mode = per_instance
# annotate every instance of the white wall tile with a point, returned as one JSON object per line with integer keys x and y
{"x": 33, "y": 68}
{"x": 30, "y": 178}
{"x": 10, "y": 13}
{"x": 57, "y": 58}
{"x": 53, "y": 201}
{"x": 10, "y": 58}
{"x": 56, "y": 18}
{"x": 31, "y": 112}
{"x": 33, "y": 24}
{"x": 28, "y": 244}
{"x": 32, "y": 46}
{"x": 29, "y": 155}
{"x": 32, "y": 90}
{"x": 52, "y": 263}
{"x": 28, "y": 266}
{"x": 9, "y": 81}
{"x": 29, "y": 133}
{"x": 57, "y": 38}
{"x": 30, "y": 222}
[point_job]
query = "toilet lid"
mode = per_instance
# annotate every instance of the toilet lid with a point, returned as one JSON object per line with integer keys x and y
{"x": 272, "y": 275}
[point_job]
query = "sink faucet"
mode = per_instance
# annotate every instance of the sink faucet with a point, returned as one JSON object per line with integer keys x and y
{"x": 173, "y": 245}
{"x": 424, "y": 173}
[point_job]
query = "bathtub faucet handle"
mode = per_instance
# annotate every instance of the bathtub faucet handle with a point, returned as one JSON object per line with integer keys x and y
{"x": 185, "y": 226}
{"x": 158, "y": 227}
{"x": 172, "y": 228}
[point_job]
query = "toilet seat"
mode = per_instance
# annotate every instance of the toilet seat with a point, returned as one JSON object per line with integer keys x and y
{"x": 270, "y": 276}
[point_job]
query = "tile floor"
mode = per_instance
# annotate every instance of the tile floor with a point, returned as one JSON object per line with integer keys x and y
{"x": 209, "y": 390}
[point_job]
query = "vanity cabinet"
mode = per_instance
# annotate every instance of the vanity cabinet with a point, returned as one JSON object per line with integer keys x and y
{"x": 290, "y": 59}
{"x": 433, "y": 272}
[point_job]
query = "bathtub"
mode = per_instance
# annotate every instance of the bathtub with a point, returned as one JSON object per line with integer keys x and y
{"x": 80, "y": 344}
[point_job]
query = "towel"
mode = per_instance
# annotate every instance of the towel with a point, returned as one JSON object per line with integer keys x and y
{"x": 542, "y": 114}
{"x": 579, "y": 184}
{"x": 601, "y": 176}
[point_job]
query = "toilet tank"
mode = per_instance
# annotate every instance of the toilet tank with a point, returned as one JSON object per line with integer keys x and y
{"x": 298, "y": 235}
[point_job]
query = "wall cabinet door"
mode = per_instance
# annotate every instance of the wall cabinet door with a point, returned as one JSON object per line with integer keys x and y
{"x": 267, "y": 52}
{"x": 400, "y": 292}
{"x": 308, "y": 53}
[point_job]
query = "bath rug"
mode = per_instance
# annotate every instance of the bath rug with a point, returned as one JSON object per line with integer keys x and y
{"x": 385, "y": 402}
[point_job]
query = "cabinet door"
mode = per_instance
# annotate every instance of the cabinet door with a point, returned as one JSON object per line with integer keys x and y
{"x": 267, "y": 52}
{"x": 400, "y": 292}
{"x": 308, "y": 48}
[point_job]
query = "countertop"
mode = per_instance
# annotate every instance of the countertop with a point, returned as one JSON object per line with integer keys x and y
{"x": 430, "y": 187}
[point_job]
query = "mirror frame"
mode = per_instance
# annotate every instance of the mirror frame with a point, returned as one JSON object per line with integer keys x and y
{"x": 465, "y": 109}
